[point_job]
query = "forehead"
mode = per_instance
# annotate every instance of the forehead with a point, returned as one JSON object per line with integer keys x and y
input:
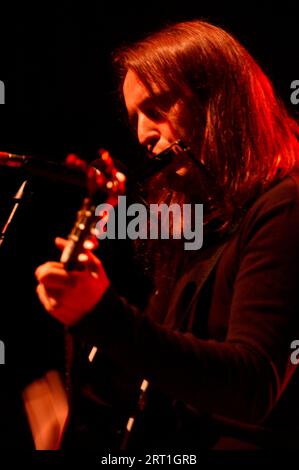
{"x": 134, "y": 91}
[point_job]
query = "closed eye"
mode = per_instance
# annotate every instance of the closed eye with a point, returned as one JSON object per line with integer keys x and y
{"x": 154, "y": 114}
{"x": 154, "y": 107}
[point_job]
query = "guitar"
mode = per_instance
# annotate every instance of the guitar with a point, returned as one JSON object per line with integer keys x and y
{"x": 48, "y": 400}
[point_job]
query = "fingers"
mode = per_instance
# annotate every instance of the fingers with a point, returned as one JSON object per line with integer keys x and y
{"x": 54, "y": 275}
{"x": 69, "y": 295}
{"x": 61, "y": 243}
{"x": 52, "y": 270}
{"x": 86, "y": 259}
{"x": 89, "y": 262}
{"x": 48, "y": 302}
{"x": 91, "y": 243}
{"x": 52, "y": 304}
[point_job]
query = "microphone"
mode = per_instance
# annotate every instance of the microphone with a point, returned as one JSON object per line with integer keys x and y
{"x": 33, "y": 166}
{"x": 12, "y": 160}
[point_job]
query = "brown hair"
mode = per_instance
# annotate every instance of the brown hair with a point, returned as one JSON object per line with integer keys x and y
{"x": 247, "y": 138}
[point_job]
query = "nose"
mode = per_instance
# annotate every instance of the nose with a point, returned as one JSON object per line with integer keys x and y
{"x": 147, "y": 132}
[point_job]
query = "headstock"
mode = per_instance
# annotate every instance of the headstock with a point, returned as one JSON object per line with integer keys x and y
{"x": 104, "y": 183}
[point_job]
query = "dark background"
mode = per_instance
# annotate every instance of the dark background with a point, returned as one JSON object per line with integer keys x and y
{"x": 55, "y": 61}
{"x": 56, "y": 65}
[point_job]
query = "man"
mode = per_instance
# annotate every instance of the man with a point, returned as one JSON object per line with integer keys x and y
{"x": 214, "y": 340}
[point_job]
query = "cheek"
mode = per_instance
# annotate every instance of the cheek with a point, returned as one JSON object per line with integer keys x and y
{"x": 179, "y": 123}
{"x": 171, "y": 131}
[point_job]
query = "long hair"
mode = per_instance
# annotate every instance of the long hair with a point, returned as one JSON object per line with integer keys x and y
{"x": 246, "y": 139}
{"x": 243, "y": 134}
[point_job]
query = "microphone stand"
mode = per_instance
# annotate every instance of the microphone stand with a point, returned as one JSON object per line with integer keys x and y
{"x": 17, "y": 198}
{"x": 44, "y": 399}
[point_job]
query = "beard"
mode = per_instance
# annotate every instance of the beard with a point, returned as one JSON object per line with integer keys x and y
{"x": 161, "y": 259}
{"x": 180, "y": 182}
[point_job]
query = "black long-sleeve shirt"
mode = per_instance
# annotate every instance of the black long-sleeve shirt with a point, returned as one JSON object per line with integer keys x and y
{"x": 238, "y": 367}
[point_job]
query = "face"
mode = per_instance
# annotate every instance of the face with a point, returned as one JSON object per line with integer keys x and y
{"x": 155, "y": 130}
